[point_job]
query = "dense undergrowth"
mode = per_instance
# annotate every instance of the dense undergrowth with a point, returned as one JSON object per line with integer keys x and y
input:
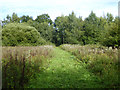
{"x": 100, "y": 60}
{"x": 65, "y": 72}
{"x": 20, "y": 64}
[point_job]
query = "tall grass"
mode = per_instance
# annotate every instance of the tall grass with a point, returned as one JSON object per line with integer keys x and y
{"x": 100, "y": 60}
{"x": 20, "y": 64}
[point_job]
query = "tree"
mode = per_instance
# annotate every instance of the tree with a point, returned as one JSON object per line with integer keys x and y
{"x": 44, "y": 18}
{"x": 25, "y": 18}
{"x": 61, "y": 24}
{"x": 15, "y": 18}
{"x": 110, "y": 36}
{"x": 0, "y": 32}
{"x": 69, "y": 29}
{"x": 6, "y": 21}
{"x": 15, "y": 34}
{"x": 45, "y": 30}
{"x": 8, "y": 18}
{"x": 109, "y": 17}
{"x": 91, "y": 28}
{"x": 117, "y": 21}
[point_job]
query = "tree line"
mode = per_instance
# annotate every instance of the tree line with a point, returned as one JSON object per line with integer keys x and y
{"x": 63, "y": 30}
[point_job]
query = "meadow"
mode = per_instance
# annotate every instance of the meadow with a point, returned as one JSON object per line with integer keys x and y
{"x": 100, "y": 60}
{"x": 69, "y": 52}
{"x": 20, "y": 64}
{"x": 66, "y": 66}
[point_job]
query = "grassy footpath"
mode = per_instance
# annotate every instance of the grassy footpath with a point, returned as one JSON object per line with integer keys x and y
{"x": 65, "y": 72}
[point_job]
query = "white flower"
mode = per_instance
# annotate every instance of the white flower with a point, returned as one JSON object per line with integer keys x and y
{"x": 110, "y": 48}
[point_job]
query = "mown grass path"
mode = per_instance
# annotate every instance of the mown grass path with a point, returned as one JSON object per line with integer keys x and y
{"x": 65, "y": 72}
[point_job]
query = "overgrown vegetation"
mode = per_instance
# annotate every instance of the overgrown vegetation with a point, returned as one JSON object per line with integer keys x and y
{"x": 93, "y": 36}
{"x": 15, "y": 34}
{"x": 20, "y": 64}
{"x": 65, "y": 72}
{"x": 65, "y": 29}
{"x": 101, "y": 61}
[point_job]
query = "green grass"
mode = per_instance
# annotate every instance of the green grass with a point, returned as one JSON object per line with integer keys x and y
{"x": 99, "y": 60}
{"x": 65, "y": 72}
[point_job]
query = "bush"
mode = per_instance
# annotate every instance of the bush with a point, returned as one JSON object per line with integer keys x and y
{"x": 105, "y": 67}
{"x": 101, "y": 61}
{"x": 21, "y": 64}
{"x": 15, "y": 34}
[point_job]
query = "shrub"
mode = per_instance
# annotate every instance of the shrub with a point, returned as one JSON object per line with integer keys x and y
{"x": 15, "y": 34}
{"x": 20, "y": 64}
{"x": 99, "y": 60}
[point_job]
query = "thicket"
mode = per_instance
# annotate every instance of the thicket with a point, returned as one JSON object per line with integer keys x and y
{"x": 67, "y": 29}
{"x": 100, "y": 60}
{"x": 16, "y": 34}
{"x": 21, "y": 64}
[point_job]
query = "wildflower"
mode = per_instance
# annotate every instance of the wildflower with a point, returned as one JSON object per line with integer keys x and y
{"x": 110, "y": 48}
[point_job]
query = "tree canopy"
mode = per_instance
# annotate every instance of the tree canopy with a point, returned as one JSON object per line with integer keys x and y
{"x": 63, "y": 30}
{"x": 15, "y": 34}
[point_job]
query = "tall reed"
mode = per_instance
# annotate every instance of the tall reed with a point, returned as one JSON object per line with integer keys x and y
{"x": 100, "y": 60}
{"x": 19, "y": 64}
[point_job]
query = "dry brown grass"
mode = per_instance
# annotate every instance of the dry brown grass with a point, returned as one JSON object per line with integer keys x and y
{"x": 21, "y": 63}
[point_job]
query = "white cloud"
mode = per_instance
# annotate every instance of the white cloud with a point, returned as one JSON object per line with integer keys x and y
{"x": 57, "y": 7}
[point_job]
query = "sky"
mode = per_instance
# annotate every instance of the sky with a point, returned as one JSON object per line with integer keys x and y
{"x": 55, "y": 8}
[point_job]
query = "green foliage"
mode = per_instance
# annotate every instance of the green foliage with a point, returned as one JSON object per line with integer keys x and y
{"x": 44, "y": 18}
{"x": 91, "y": 28}
{"x": 109, "y": 17}
{"x": 65, "y": 72}
{"x": 25, "y": 18}
{"x": 71, "y": 29}
{"x": 0, "y": 34}
{"x": 20, "y": 64}
{"x": 15, "y": 18}
{"x": 15, "y": 34}
{"x": 11, "y": 19}
{"x": 101, "y": 61}
{"x": 45, "y": 30}
{"x": 110, "y": 35}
